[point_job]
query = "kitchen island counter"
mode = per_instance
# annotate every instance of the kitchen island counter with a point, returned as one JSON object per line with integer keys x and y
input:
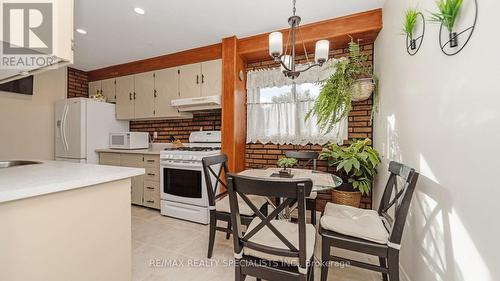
{"x": 65, "y": 221}
{"x": 54, "y": 176}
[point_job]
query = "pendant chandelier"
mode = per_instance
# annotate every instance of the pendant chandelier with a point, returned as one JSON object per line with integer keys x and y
{"x": 288, "y": 58}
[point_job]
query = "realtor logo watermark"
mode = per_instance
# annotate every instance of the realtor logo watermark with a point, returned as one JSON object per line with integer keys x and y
{"x": 27, "y": 35}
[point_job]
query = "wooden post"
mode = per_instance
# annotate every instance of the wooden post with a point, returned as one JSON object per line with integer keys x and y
{"x": 233, "y": 105}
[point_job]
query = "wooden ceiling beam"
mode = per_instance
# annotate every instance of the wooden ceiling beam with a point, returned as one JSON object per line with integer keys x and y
{"x": 196, "y": 55}
{"x": 363, "y": 26}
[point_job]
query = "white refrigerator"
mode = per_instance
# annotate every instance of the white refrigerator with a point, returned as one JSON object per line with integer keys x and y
{"x": 82, "y": 126}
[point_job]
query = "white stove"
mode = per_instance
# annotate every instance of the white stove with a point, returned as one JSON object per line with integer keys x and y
{"x": 183, "y": 188}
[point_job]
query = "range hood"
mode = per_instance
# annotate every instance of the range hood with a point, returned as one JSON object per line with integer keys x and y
{"x": 196, "y": 104}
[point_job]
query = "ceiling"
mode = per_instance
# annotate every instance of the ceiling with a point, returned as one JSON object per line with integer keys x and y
{"x": 116, "y": 34}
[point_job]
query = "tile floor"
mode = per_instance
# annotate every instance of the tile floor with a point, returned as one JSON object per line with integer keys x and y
{"x": 166, "y": 249}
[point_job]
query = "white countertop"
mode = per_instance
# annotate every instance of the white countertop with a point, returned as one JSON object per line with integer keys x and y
{"x": 155, "y": 149}
{"x": 131, "y": 151}
{"x": 54, "y": 176}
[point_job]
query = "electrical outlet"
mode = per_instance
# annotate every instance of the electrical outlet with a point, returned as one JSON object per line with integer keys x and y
{"x": 155, "y": 135}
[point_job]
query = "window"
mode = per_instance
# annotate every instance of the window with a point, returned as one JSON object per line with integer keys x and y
{"x": 304, "y": 92}
{"x": 277, "y": 108}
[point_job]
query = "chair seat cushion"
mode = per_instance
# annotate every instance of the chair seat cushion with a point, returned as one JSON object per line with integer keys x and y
{"x": 267, "y": 238}
{"x": 355, "y": 222}
{"x": 224, "y": 206}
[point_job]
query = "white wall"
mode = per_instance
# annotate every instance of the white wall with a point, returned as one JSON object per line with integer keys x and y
{"x": 441, "y": 115}
{"x": 27, "y": 122}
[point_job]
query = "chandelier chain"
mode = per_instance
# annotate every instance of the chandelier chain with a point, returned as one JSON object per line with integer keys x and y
{"x": 294, "y": 9}
{"x": 303, "y": 45}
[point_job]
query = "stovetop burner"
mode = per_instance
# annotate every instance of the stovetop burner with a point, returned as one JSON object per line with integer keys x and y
{"x": 184, "y": 148}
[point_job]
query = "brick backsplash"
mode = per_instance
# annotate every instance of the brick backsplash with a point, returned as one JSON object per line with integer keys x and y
{"x": 179, "y": 128}
{"x": 78, "y": 83}
{"x": 265, "y": 155}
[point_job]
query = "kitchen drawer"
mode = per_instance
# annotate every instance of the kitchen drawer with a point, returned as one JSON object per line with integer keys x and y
{"x": 132, "y": 160}
{"x": 152, "y": 174}
{"x": 151, "y": 194}
{"x": 112, "y": 159}
{"x": 152, "y": 186}
{"x": 152, "y": 161}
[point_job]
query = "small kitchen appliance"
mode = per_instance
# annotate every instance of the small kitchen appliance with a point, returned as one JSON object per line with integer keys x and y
{"x": 129, "y": 140}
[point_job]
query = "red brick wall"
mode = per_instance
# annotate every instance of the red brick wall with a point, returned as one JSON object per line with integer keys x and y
{"x": 265, "y": 155}
{"x": 179, "y": 128}
{"x": 78, "y": 83}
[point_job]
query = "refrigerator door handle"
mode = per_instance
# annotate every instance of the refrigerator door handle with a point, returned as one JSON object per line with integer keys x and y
{"x": 63, "y": 127}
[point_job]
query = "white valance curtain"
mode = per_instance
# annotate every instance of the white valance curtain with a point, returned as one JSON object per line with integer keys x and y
{"x": 284, "y": 122}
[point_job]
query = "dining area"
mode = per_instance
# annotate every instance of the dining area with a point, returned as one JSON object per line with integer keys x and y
{"x": 271, "y": 217}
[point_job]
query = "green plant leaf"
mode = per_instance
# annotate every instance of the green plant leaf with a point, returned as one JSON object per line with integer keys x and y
{"x": 356, "y": 162}
{"x": 448, "y": 13}
{"x": 333, "y": 103}
{"x": 410, "y": 21}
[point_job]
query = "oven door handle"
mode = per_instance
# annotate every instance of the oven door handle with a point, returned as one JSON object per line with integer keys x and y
{"x": 181, "y": 165}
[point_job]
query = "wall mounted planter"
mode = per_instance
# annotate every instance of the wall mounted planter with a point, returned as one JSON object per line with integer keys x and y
{"x": 454, "y": 44}
{"x": 413, "y": 44}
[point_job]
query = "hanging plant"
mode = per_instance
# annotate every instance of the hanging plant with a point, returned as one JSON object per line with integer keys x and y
{"x": 409, "y": 23}
{"x": 447, "y": 16}
{"x": 353, "y": 80}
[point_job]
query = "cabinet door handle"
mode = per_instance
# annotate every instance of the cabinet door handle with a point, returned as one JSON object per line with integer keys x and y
{"x": 150, "y": 174}
{"x": 197, "y": 79}
{"x": 151, "y": 161}
{"x": 150, "y": 201}
{"x": 155, "y": 93}
{"x": 202, "y": 79}
{"x": 149, "y": 187}
{"x": 130, "y": 96}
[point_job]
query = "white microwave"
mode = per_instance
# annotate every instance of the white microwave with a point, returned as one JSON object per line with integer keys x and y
{"x": 129, "y": 140}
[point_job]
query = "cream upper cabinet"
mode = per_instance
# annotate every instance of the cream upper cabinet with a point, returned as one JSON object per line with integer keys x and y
{"x": 124, "y": 97}
{"x": 108, "y": 89}
{"x": 144, "y": 95}
{"x": 211, "y": 78}
{"x": 167, "y": 89}
{"x": 190, "y": 80}
{"x": 94, "y": 88}
{"x": 149, "y": 95}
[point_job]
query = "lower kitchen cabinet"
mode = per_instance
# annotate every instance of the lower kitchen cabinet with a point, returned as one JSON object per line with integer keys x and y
{"x": 145, "y": 190}
{"x": 151, "y": 194}
{"x": 137, "y": 190}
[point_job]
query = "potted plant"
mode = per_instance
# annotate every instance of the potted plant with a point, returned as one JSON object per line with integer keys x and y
{"x": 284, "y": 163}
{"x": 353, "y": 80}
{"x": 447, "y": 15}
{"x": 409, "y": 23}
{"x": 356, "y": 164}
